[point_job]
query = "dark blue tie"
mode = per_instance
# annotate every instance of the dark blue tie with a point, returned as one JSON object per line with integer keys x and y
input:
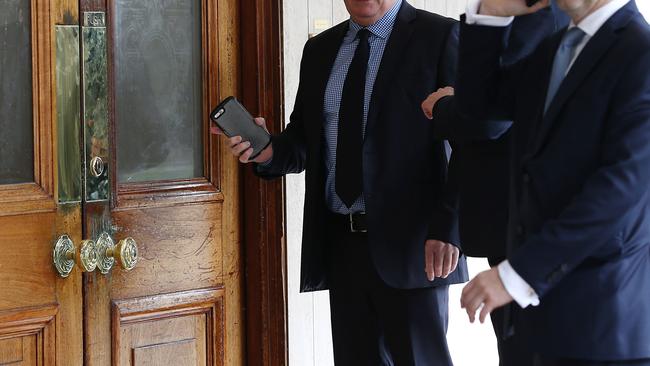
{"x": 563, "y": 57}
{"x": 349, "y": 180}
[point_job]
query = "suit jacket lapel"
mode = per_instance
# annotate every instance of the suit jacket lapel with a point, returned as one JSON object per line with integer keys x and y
{"x": 590, "y": 56}
{"x": 393, "y": 52}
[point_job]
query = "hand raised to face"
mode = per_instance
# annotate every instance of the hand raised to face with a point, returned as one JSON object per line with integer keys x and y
{"x": 507, "y": 8}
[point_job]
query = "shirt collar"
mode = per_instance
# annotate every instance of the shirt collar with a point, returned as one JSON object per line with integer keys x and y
{"x": 382, "y": 28}
{"x": 592, "y": 23}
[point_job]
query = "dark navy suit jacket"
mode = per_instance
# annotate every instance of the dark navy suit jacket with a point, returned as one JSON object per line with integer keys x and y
{"x": 481, "y": 154}
{"x": 580, "y": 220}
{"x": 404, "y": 166}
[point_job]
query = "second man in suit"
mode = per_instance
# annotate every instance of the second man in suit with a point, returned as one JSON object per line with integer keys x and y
{"x": 376, "y": 208}
{"x": 481, "y": 165}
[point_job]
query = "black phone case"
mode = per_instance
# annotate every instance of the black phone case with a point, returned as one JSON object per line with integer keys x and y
{"x": 234, "y": 120}
{"x": 531, "y": 2}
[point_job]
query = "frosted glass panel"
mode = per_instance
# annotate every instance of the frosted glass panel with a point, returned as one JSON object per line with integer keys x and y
{"x": 158, "y": 89}
{"x": 16, "y": 131}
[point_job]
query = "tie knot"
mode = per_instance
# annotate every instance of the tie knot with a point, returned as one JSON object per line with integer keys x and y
{"x": 572, "y": 37}
{"x": 363, "y": 34}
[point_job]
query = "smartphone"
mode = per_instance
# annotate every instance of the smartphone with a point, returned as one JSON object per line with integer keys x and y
{"x": 234, "y": 120}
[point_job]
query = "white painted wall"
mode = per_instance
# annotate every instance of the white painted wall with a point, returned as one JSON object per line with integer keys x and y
{"x": 644, "y": 7}
{"x": 310, "y": 342}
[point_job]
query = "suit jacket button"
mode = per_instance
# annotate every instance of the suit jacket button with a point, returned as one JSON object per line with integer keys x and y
{"x": 526, "y": 178}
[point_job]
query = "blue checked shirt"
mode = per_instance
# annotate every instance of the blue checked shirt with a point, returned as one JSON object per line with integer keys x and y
{"x": 379, "y": 34}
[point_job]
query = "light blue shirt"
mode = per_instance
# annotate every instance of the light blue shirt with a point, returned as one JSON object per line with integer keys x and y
{"x": 379, "y": 34}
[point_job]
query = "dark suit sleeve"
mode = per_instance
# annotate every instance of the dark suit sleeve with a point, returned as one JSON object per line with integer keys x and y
{"x": 528, "y": 31}
{"x": 594, "y": 223}
{"x": 449, "y": 123}
{"x": 519, "y": 40}
{"x": 444, "y": 223}
{"x": 457, "y": 127}
{"x": 485, "y": 91}
{"x": 290, "y": 147}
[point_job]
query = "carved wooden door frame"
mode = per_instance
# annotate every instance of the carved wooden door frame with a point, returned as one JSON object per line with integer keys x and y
{"x": 264, "y": 210}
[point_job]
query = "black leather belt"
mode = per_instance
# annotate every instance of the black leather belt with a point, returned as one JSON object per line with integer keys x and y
{"x": 354, "y": 223}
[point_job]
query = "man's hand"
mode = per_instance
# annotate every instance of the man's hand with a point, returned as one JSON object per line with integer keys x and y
{"x": 242, "y": 149}
{"x": 487, "y": 290}
{"x": 441, "y": 259}
{"x": 433, "y": 98}
{"x": 508, "y": 8}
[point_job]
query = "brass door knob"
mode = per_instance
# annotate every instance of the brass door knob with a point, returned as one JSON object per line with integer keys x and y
{"x": 65, "y": 255}
{"x": 125, "y": 252}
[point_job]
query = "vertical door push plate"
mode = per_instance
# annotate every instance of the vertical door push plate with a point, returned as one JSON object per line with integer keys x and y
{"x": 95, "y": 107}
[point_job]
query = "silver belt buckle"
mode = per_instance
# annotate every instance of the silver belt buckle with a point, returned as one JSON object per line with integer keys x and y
{"x": 352, "y": 228}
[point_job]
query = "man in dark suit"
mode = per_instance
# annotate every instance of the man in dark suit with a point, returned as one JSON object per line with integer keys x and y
{"x": 480, "y": 163}
{"x": 376, "y": 211}
{"x": 579, "y": 226}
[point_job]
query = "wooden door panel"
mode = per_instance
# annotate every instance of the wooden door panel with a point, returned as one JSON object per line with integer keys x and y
{"x": 26, "y": 272}
{"x": 174, "y": 353}
{"x": 40, "y": 312}
{"x": 182, "y": 303}
{"x": 27, "y": 337}
{"x": 11, "y": 350}
{"x": 180, "y": 249}
{"x": 183, "y": 328}
{"x": 19, "y": 351}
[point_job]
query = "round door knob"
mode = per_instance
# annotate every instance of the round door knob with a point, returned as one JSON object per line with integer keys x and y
{"x": 125, "y": 252}
{"x": 87, "y": 258}
{"x": 65, "y": 255}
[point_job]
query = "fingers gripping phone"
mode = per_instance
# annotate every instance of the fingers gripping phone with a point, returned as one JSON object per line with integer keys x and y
{"x": 234, "y": 120}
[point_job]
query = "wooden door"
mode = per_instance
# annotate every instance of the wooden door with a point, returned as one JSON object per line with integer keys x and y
{"x": 40, "y": 312}
{"x": 173, "y": 188}
{"x": 100, "y": 143}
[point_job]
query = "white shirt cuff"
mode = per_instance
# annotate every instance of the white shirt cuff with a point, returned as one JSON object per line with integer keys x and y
{"x": 519, "y": 289}
{"x": 473, "y": 17}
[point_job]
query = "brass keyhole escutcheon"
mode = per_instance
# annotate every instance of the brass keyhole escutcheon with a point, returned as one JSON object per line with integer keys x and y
{"x": 96, "y": 166}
